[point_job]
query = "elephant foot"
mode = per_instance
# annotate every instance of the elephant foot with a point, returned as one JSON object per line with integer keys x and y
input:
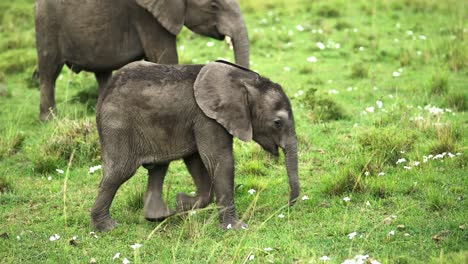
{"x": 158, "y": 213}
{"x": 236, "y": 225}
{"x": 104, "y": 225}
{"x": 186, "y": 202}
{"x": 48, "y": 115}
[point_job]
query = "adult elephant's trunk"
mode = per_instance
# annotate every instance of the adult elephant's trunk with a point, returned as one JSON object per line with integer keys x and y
{"x": 290, "y": 152}
{"x": 240, "y": 41}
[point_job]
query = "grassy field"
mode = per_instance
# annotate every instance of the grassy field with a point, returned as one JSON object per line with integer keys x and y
{"x": 379, "y": 90}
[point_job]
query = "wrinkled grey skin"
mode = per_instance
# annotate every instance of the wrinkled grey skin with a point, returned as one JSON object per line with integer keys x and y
{"x": 103, "y": 35}
{"x": 152, "y": 114}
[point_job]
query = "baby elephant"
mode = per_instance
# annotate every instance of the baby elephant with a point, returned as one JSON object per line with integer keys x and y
{"x": 152, "y": 114}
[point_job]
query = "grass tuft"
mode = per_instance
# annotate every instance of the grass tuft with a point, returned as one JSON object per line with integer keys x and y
{"x": 386, "y": 143}
{"x": 10, "y": 145}
{"x": 323, "y": 109}
{"x": 5, "y": 186}
{"x": 359, "y": 71}
{"x": 328, "y": 11}
{"x": 456, "y": 101}
{"x": 70, "y": 136}
{"x": 439, "y": 84}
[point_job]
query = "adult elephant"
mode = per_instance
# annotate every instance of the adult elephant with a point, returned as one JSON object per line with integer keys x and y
{"x": 103, "y": 35}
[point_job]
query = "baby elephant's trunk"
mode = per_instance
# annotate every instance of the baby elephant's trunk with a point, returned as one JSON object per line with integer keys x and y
{"x": 290, "y": 152}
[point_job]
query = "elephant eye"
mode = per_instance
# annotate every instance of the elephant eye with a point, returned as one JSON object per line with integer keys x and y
{"x": 278, "y": 124}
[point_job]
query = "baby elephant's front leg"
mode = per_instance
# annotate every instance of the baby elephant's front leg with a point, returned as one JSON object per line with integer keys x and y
{"x": 223, "y": 182}
{"x": 155, "y": 208}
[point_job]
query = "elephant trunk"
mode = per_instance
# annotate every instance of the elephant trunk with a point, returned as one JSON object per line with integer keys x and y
{"x": 290, "y": 152}
{"x": 240, "y": 41}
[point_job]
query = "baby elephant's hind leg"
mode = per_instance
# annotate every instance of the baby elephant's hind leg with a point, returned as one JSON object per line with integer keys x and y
{"x": 155, "y": 208}
{"x": 203, "y": 182}
{"x": 113, "y": 178}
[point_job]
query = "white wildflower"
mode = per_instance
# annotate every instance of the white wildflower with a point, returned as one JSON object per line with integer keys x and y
{"x": 49, "y": 178}
{"x": 300, "y": 28}
{"x": 381, "y": 174}
{"x": 401, "y": 160}
{"x": 368, "y": 203}
{"x": 366, "y": 173}
{"x": 210, "y": 44}
{"x": 125, "y": 261}
{"x": 346, "y": 199}
{"x": 396, "y": 74}
{"x": 451, "y": 155}
{"x": 305, "y": 197}
{"x": 281, "y": 215}
{"x": 422, "y": 37}
{"x": 312, "y": 59}
{"x": 325, "y": 258}
{"x": 333, "y": 91}
{"x": 136, "y": 246}
{"x": 361, "y": 48}
{"x": 94, "y": 168}
{"x": 59, "y": 171}
{"x": 370, "y": 109}
{"x": 352, "y": 235}
{"x": 54, "y": 237}
{"x": 391, "y": 233}
{"x": 320, "y": 45}
{"x": 18, "y": 237}
{"x": 416, "y": 163}
{"x": 268, "y": 249}
{"x": 407, "y": 167}
{"x": 251, "y": 191}
{"x": 229, "y": 226}
{"x": 116, "y": 256}
{"x": 251, "y": 257}
{"x": 379, "y": 104}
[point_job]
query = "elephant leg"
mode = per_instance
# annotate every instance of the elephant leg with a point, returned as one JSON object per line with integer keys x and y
{"x": 102, "y": 79}
{"x": 49, "y": 70}
{"x": 113, "y": 178}
{"x": 155, "y": 209}
{"x": 203, "y": 182}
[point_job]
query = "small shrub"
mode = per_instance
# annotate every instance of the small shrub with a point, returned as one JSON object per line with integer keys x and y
{"x": 405, "y": 58}
{"x": 340, "y": 25}
{"x": 4, "y": 91}
{"x": 328, "y": 11}
{"x": 438, "y": 84}
{"x": 457, "y": 56}
{"x": 305, "y": 70}
{"x": 323, "y": 109}
{"x": 5, "y": 185}
{"x": 359, "y": 71}
{"x": 446, "y": 141}
{"x": 438, "y": 202}
{"x": 456, "y": 101}
{"x": 10, "y": 145}
{"x": 386, "y": 143}
{"x": 70, "y": 136}
{"x": 349, "y": 180}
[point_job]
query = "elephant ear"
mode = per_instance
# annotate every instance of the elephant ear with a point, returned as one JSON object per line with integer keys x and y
{"x": 221, "y": 93}
{"x": 170, "y": 13}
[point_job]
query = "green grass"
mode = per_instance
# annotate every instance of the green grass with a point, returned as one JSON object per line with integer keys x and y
{"x": 348, "y": 145}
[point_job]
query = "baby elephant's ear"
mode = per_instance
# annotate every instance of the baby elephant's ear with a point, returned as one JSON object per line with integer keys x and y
{"x": 221, "y": 94}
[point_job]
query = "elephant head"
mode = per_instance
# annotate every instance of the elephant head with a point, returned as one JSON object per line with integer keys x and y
{"x": 213, "y": 18}
{"x": 249, "y": 107}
